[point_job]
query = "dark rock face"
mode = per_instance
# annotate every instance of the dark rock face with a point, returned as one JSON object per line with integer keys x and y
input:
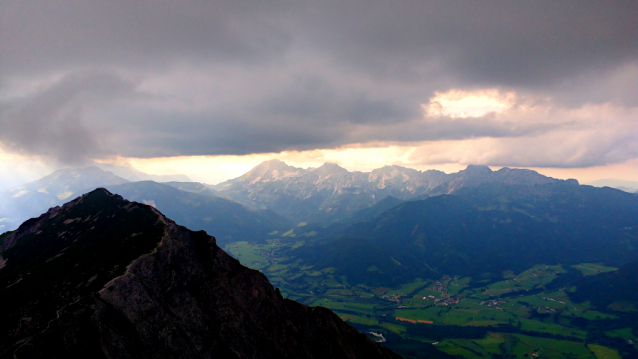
{"x": 182, "y": 297}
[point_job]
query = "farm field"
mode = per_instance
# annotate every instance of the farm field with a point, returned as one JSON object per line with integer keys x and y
{"x": 592, "y": 268}
{"x": 518, "y": 316}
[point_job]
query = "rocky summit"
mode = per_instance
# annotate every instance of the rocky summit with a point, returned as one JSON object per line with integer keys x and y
{"x": 103, "y": 277}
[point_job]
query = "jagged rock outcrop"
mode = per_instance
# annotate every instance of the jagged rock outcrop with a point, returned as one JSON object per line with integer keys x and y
{"x": 107, "y": 278}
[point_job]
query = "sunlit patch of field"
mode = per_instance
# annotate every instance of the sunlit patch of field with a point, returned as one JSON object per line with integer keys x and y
{"x": 249, "y": 255}
{"x": 551, "y": 328}
{"x": 456, "y": 285}
{"x": 549, "y": 348}
{"x": 468, "y": 348}
{"x": 380, "y": 290}
{"x": 594, "y": 315}
{"x": 364, "y": 294}
{"x": 395, "y": 328}
{"x": 427, "y": 292}
{"x": 593, "y": 268}
{"x": 602, "y": 352}
{"x": 483, "y": 323}
{"x": 536, "y": 300}
{"x": 625, "y": 333}
{"x": 358, "y": 319}
{"x": 435, "y": 314}
{"x": 457, "y": 317}
{"x": 502, "y": 317}
{"x": 408, "y": 288}
{"x": 340, "y": 292}
{"x": 623, "y": 306}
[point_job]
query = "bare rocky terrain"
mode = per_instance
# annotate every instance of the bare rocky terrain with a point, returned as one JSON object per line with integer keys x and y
{"x": 331, "y": 193}
{"x": 107, "y": 278}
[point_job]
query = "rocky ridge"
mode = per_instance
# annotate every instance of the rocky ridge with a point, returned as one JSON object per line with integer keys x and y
{"x": 104, "y": 277}
{"x": 31, "y": 199}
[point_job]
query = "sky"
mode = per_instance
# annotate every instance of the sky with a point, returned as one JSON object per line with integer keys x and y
{"x": 211, "y": 88}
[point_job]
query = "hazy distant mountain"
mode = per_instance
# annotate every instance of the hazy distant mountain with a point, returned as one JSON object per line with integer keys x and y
{"x": 474, "y": 176}
{"x": 627, "y": 186}
{"x": 134, "y": 175}
{"x": 194, "y": 187}
{"x": 34, "y": 198}
{"x": 189, "y": 203}
{"x": 226, "y": 219}
{"x": 489, "y": 229}
{"x": 627, "y": 189}
{"x": 102, "y": 277}
{"x": 63, "y": 183}
{"x": 331, "y": 193}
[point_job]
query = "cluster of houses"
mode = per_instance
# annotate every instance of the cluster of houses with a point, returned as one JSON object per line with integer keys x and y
{"x": 396, "y": 297}
{"x": 540, "y": 308}
{"x": 552, "y": 300}
{"x": 493, "y": 302}
{"x": 444, "y": 301}
{"x": 439, "y": 287}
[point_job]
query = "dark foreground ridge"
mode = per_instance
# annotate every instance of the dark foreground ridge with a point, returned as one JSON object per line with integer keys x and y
{"x": 102, "y": 277}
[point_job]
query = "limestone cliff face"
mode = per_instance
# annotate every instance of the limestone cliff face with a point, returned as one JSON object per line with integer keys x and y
{"x": 180, "y": 297}
{"x": 326, "y": 193}
{"x": 331, "y": 193}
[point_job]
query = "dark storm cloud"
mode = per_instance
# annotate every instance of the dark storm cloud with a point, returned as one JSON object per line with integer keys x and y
{"x": 54, "y": 35}
{"x": 51, "y": 122}
{"x": 234, "y": 77}
{"x": 495, "y": 42}
{"x": 313, "y": 100}
{"x": 226, "y": 133}
{"x": 519, "y": 43}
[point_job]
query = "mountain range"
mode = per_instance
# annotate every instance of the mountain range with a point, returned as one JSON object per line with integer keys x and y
{"x": 103, "y": 277}
{"x": 482, "y": 230}
{"x": 627, "y": 186}
{"x": 189, "y": 203}
{"x": 320, "y": 195}
{"x": 134, "y": 175}
{"x": 331, "y": 193}
{"x": 381, "y": 229}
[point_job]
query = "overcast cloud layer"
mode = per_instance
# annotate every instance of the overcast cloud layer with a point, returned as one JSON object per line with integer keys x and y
{"x": 84, "y": 80}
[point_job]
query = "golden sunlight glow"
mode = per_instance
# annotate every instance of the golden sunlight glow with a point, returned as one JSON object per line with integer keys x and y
{"x": 215, "y": 169}
{"x": 423, "y": 156}
{"x": 459, "y": 103}
{"x": 18, "y": 169}
{"x": 447, "y": 156}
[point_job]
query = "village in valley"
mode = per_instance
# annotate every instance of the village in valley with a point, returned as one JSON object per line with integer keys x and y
{"x": 519, "y": 309}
